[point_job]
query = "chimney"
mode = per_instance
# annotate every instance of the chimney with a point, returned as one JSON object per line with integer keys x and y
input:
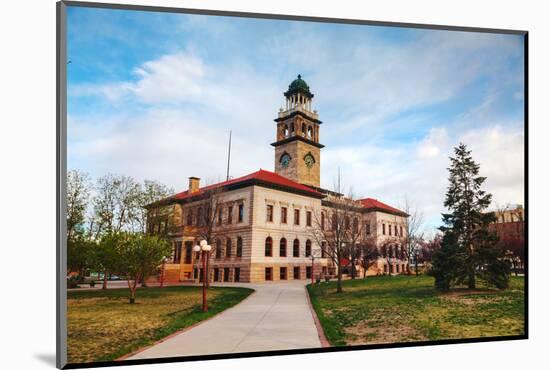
{"x": 194, "y": 183}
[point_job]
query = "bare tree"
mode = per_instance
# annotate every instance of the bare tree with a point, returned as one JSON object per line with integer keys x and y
{"x": 414, "y": 235}
{"x": 390, "y": 249}
{"x": 369, "y": 254}
{"x": 149, "y": 193}
{"x": 332, "y": 229}
{"x": 78, "y": 195}
{"x": 355, "y": 238}
{"x": 115, "y": 204}
{"x": 210, "y": 222}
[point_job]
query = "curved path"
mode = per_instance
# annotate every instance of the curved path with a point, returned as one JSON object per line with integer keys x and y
{"x": 275, "y": 317}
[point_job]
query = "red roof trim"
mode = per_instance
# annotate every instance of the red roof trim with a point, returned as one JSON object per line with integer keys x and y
{"x": 259, "y": 177}
{"x": 375, "y": 204}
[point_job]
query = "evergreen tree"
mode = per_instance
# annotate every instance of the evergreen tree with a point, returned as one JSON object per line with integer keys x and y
{"x": 469, "y": 250}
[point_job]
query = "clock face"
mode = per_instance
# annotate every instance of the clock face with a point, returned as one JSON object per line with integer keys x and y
{"x": 285, "y": 160}
{"x": 309, "y": 160}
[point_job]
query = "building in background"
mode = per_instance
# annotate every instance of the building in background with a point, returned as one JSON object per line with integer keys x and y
{"x": 262, "y": 226}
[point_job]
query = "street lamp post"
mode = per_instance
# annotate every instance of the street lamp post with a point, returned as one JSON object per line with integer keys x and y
{"x": 204, "y": 248}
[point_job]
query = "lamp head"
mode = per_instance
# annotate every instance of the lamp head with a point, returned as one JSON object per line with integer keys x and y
{"x": 203, "y": 243}
{"x": 197, "y": 248}
{"x": 207, "y": 248}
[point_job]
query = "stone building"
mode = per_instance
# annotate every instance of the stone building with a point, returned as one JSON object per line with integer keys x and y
{"x": 262, "y": 226}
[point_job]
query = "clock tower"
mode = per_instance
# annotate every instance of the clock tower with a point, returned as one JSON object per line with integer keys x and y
{"x": 297, "y": 149}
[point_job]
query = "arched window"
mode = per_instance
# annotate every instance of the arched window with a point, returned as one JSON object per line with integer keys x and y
{"x": 346, "y": 222}
{"x": 292, "y": 131}
{"x": 218, "y": 248}
{"x": 286, "y": 131}
{"x": 304, "y": 129}
{"x": 228, "y": 248}
{"x": 334, "y": 222}
{"x": 355, "y": 225}
{"x": 268, "y": 246}
{"x": 308, "y": 248}
{"x": 282, "y": 247}
{"x": 239, "y": 246}
{"x": 322, "y": 221}
{"x": 296, "y": 248}
{"x": 323, "y": 249}
{"x": 309, "y": 132}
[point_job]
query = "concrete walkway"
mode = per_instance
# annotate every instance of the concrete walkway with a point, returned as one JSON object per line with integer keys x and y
{"x": 275, "y": 317}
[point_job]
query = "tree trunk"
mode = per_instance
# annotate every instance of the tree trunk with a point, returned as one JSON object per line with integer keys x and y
{"x": 132, "y": 287}
{"x": 104, "y": 280}
{"x": 471, "y": 279}
{"x": 339, "y": 284}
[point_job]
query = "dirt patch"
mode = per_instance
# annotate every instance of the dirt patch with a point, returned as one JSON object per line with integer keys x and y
{"x": 365, "y": 333}
{"x": 466, "y": 291}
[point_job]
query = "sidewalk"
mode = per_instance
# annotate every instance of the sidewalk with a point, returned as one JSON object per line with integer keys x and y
{"x": 275, "y": 317}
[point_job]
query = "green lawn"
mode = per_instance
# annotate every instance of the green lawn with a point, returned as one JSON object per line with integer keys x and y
{"x": 103, "y": 326}
{"x": 408, "y": 308}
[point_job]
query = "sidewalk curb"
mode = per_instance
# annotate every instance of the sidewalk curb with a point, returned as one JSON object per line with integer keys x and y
{"x": 322, "y": 338}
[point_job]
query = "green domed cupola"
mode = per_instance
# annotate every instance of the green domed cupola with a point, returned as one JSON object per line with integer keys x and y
{"x": 298, "y": 86}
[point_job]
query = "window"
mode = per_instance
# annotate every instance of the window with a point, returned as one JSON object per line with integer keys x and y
{"x": 395, "y": 230}
{"x": 226, "y": 274}
{"x": 282, "y": 273}
{"x": 188, "y": 252}
{"x": 228, "y": 248}
{"x": 309, "y": 132}
{"x": 190, "y": 217}
{"x": 401, "y": 230}
{"x": 384, "y": 252}
{"x": 322, "y": 221}
{"x": 269, "y": 213}
{"x": 367, "y": 228}
{"x": 296, "y": 248}
{"x": 269, "y": 273}
{"x": 389, "y": 229}
{"x": 397, "y": 268}
{"x": 283, "y": 215}
{"x": 218, "y": 248}
{"x": 334, "y": 222}
{"x": 297, "y": 272}
{"x": 323, "y": 249}
{"x": 308, "y": 272}
{"x": 355, "y": 225}
{"x": 217, "y": 274}
{"x": 195, "y": 273}
{"x": 239, "y": 246}
{"x": 304, "y": 128}
{"x": 282, "y": 248}
{"x": 308, "y": 248}
{"x": 230, "y": 214}
{"x": 237, "y": 274}
{"x": 241, "y": 213}
{"x": 177, "y": 252}
{"x": 268, "y": 246}
{"x": 296, "y": 217}
{"x": 308, "y": 218}
{"x": 346, "y": 222}
{"x": 220, "y": 215}
{"x": 286, "y": 131}
{"x": 383, "y": 229}
{"x": 199, "y": 217}
{"x": 292, "y": 131}
{"x": 385, "y": 268}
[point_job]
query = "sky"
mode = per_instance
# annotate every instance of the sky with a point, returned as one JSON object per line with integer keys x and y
{"x": 154, "y": 95}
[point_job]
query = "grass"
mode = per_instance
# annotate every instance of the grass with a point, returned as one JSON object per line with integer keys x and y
{"x": 408, "y": 308}
{"x": 103, "y": 326}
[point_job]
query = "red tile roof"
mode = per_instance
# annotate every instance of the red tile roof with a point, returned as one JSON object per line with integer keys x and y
{"x": 375, "y": 204}
{"x": 261, "y": 176}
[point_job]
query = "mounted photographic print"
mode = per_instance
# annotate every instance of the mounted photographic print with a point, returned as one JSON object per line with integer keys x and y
{"x": 235, "y": 184}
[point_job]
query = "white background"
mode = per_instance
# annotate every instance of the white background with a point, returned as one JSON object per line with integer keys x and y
{"x": 27, "y": 187}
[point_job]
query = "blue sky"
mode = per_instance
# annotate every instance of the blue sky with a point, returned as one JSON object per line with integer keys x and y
{"x": 153, "y": 95}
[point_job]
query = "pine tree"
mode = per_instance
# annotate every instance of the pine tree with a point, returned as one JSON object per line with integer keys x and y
{"x": 469, "y": 249}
